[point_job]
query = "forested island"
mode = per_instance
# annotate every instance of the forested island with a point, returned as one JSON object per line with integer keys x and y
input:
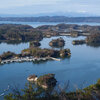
{"x": 24, "y": 33}
{"x": 46, "y": 81}
{"x": 92, "y": 40}
{"x": 34, "y": 54}
{"x": 57, "y": 42}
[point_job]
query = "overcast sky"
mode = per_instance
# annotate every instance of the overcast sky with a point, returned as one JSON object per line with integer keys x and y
{"x": 49, "y": 6}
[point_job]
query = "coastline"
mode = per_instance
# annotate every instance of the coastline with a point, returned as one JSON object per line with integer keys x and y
{"x": 27, "y": 59}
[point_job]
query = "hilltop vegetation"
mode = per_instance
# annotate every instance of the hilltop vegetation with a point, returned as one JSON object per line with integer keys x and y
{"x": 22, "y": 33}
{"x": 72, "y": 29}
{"x": 35, "y": 92}
{"x": 38, "y": 52}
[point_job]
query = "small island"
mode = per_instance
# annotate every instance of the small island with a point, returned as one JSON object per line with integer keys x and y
{"x": 34, "y": 44}
{"x": 57, "y": 42}
{"x": 78, "y": 42}
{"x": 45, "y": 81}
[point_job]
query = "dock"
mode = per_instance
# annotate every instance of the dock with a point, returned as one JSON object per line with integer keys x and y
{"x": 55, "y": 59}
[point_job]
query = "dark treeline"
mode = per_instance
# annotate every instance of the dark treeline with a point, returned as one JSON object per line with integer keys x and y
{"x": 9, "y": 32}
{"x": 52, "y": 19}
{"x": 12, "y": 33}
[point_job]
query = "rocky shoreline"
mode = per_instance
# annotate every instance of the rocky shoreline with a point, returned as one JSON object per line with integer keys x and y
{"x": 27, "y": 59}
{"x": 46, "y": 81}
{"x": 78, "y": 42}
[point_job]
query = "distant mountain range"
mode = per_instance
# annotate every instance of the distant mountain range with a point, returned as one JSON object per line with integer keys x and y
{"x": 67, "y": 14}
{"x": 52, "y": 19}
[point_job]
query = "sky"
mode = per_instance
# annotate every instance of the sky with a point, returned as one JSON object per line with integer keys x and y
{"x": 39, "y": 7}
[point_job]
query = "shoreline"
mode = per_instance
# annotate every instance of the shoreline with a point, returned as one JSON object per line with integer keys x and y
{"x": 27, "y": 59}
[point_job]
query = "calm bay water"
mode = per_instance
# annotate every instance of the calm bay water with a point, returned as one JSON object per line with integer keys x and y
{"x": 81, "y": 69}
{"x": 4, "y": 47}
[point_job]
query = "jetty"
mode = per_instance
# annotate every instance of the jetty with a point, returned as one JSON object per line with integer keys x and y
{"x": 55, "y": 59}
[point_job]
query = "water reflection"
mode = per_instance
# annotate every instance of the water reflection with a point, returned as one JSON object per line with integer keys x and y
{"x": 13, "y": 42}
{"x": 17, "y": 48}
{"x": 95, "y": 45}
{"x": 39, "y": 62}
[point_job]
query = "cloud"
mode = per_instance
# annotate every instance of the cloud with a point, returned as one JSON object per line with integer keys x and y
{"x": 14, "y": 3}
{"x": 18, "y": 3}
{"x": 49, "y": 6}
